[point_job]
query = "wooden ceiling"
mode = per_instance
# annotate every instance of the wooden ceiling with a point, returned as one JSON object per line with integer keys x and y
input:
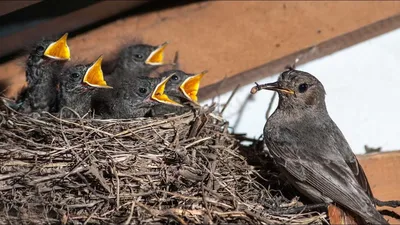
{"x": 238, "y": 42}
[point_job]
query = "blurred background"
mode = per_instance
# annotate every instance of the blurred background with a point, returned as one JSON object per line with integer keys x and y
{"x": 351, "y": 46}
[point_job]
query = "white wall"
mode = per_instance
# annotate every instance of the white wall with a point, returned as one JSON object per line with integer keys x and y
{"x": 363, "y": 95}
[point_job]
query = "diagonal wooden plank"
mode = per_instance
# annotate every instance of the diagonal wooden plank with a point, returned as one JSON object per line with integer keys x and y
{"x": 384, "y": 177}
{"x": 305, "y": 55}
{"x": 11, "y": 6}
{"x": 64, "y": 23}
{"x": 228, "y": 38}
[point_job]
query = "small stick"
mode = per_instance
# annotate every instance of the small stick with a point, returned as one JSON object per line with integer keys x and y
{"x": 241, "y": 111}
{"x": 176, "y": 65}
{"x": 128, "y": 220}
{"x": 270, "y": 105}
{"x": 306, "y": 208}
{"x": 230, "y": 98}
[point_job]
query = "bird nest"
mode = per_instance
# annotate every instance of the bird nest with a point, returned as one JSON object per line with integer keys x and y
{"x": 185, "y": 169}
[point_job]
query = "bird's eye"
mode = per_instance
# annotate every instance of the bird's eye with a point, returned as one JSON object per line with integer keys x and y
{"x": 303, "y": 87}
{"x": 75, "y": 75}
{"x": 142, "y": 90}
{"x": 139, "y": 56}
{"x": 174, "y": 77}
{"x": 39, "y": 48}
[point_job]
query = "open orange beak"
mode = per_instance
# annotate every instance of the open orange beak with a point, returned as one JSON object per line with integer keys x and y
{"x": 159, "y": 93}
{"x": 94, "y": 75}
{"x": 190, "y": 87}
{"x": 157, "y": 56}
{"x": 59, "y": 49}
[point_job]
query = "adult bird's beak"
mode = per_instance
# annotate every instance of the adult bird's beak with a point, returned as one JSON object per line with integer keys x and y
{"x": 276, "y": 86}
{"x": 94, "y": 75}
{"x": 159, "y": 93}
{"x": 157, "y": 56}
{"x": 190, "y": 87}
{"x": 59, "y": 49}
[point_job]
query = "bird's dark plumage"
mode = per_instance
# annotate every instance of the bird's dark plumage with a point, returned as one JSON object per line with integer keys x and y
{"x": 130, "y": 98}
{"x": 310, "y": 149}
{"x": 177, "y": 92}
{"x": 43, "y": 66}
{"x": 77, "y": 85}
{"x": 137, "y": 60}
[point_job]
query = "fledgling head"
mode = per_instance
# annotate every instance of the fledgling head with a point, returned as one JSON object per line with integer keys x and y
{"x": 182, "y": 85}
{"x": 83, "y": 77}
{"x": 141, "y": 57}
{"x": 297, "y": 89}
{"x": 50, "y": 50}
{"x": 152, "y": 90}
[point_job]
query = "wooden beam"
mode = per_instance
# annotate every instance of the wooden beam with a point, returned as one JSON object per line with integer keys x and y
{"x": 11, "y": 6}
{"x": 304, "y": 55}
{"x": 65, "y": 23}
{"x": 228, "y": 38}
{"x": 383, "y": 176}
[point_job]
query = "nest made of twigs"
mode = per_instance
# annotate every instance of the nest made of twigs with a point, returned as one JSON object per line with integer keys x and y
{"x": 184, "y": 169}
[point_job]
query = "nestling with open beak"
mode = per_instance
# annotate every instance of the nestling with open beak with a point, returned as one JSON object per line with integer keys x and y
{"x": 43, "y": 66}
{"x": 77, "y": 86}
{"x": 311, "y": 151}
{"x": 182, "y": 88}
{"x": 137, "y": 60}
{"x": 132, "y": 98}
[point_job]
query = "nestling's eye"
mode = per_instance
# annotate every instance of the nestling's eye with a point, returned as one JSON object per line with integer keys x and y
{"x": 303, "y": 87}
{"x": 174, "y": 77}
{"x": 138, "y": 56}
{"x": 40, "y": 49}
{"x": 74, "y": 75}
{"x": 142, "y": 90}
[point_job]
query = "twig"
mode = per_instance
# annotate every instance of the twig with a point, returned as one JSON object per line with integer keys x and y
{"x": 241, "y": 111}
{"x": 268, "y": 113}
{"x": 118, "y": 185}
{"x": 128, "y": 220}
{"x": 230, "y": 98}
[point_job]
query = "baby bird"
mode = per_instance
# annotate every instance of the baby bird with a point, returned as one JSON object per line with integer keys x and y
{"x": 43, "y": 66}
{"x": 137, "y": 60}
{"x": 132, "y": 98}
{"x": 77, "y": 86}
{"x": 181, "y": 88}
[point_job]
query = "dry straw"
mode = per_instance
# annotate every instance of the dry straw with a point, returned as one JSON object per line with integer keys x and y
{"x": 183, "y": 169}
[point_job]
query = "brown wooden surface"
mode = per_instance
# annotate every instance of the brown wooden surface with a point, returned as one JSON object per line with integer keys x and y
{"x": 10, "y": 6}
{"x": 228, "y": 38}
{"x": 383, "y": 173}
{"x": 70, "y": 21}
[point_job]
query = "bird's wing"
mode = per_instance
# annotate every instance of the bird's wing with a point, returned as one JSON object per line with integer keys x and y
{"x": 359, "y": 175}
{"x": 333, "y": 178}
{"x": 350, "y": 159}
{"x": 315, "y": 161}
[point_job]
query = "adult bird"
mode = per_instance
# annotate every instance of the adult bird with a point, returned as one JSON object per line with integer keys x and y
{"x": 311, "y": 151}
{"x": 43, "y": 66}
{"x": 182, "y": 88}
{"x": 132, "y": 98}
{"x": 78, "y": 83}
